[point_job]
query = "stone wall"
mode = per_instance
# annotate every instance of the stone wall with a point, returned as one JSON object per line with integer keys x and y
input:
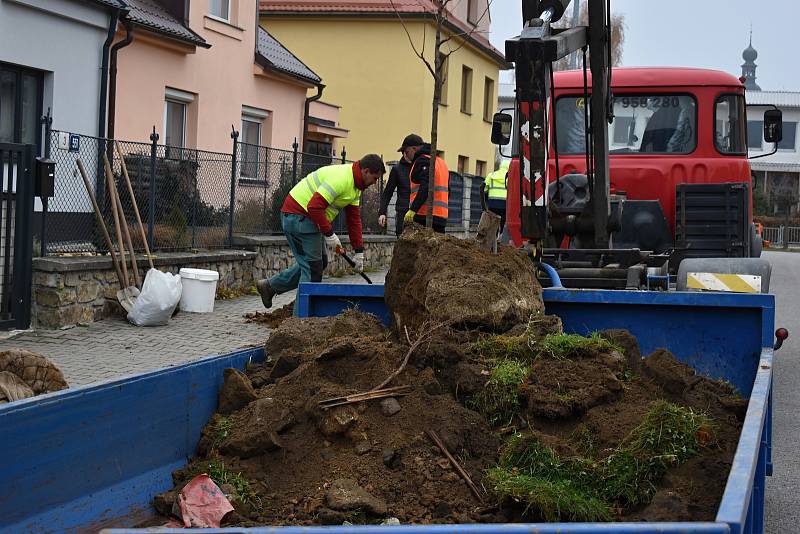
{"x": 77, "y": 290}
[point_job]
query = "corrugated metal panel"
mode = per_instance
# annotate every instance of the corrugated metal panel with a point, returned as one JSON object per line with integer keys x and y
{"x": 279, "y": 57}
{"x": 782, "y": 99}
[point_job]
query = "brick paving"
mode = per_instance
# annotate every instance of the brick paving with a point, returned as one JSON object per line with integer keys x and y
{"x": 114, "y": 348}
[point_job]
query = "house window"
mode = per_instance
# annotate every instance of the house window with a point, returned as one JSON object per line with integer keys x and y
{"x": 480, "y": 168}
{"x": 250, "y": 139}
{"x": 755, "y": 134}
{"x": 466, "y": 90}
{"x": 488, "y": 99}
{"x": 472, "y": 12}
{"x": 788, "y": 141}
{"x": 20, "y": 105}
{"x": 176, "y": 103}
{"x": 220, "y": 9}
{"x": 463, "y": 164}
{"x": 445, "y": 78}
{"x": 175, "y": 123}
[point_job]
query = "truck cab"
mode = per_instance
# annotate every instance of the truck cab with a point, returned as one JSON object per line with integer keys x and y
{"x": 677, "y": 157}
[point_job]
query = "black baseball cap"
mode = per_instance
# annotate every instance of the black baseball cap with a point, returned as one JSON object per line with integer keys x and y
{"x": 411, "y": 140}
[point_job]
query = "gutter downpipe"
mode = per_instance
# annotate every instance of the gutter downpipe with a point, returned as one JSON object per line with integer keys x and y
{"x": 112, "y": 92}
{"x": 99, "y": 185}
{"x": 309, "y": 100}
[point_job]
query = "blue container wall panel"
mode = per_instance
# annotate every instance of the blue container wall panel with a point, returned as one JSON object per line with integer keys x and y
{"x": 327, "y": 300}
{"x": 81, "y": 457}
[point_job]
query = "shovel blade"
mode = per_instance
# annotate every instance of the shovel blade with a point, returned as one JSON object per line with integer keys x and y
{"x": 127, "y": 297}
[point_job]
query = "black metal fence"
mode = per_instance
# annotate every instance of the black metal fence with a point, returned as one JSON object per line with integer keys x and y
{"x": 187, "y": 198}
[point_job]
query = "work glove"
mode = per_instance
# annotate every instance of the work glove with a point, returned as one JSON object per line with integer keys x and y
{"x": 409, "y": 217}
{"x": 332, "y": 245}
{"x": 358, "y": 259}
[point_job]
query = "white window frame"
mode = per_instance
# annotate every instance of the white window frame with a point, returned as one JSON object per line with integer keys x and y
{"x": 229, "y": 3}
{"x": 256, "y": 116}
{"x": 176, "y": 96}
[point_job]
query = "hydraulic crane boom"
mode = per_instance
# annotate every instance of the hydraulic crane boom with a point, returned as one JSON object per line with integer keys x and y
{"x": 533, "y": 54}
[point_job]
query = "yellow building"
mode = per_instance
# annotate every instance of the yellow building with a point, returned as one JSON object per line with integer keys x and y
{"x": 364, "y": 54}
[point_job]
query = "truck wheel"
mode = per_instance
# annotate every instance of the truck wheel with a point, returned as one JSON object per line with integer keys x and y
{"x": 756, "y": 243}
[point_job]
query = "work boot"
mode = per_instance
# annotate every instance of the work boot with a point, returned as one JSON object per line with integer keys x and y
{"x": 266, "y": 292}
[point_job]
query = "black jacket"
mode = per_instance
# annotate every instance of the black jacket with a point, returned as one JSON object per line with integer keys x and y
{"x": 398, "y": 179}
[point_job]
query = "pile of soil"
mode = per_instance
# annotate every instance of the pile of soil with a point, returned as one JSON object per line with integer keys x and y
{"x": 271, "y": 319}
{"x": 368, "y": 461}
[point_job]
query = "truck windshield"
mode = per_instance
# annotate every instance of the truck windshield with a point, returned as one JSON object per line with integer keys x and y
{"x": 643, "y": 124}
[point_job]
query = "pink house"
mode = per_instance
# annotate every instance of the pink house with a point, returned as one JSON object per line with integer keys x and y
{"x": 195, "y": 68}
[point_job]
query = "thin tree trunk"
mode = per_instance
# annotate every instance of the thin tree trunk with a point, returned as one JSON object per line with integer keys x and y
{"x": 437, "y": 97}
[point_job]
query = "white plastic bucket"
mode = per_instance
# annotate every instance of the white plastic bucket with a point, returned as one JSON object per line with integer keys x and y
{"x": 199, "y": 290}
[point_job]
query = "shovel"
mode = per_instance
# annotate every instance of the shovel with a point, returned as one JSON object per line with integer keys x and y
{"x": 102, "y": 224}
{"x": 352, "y": 263}
{"x": 127, "y": 294}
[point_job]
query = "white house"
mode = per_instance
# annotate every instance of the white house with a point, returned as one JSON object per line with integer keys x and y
{"x": 778, "y": 174}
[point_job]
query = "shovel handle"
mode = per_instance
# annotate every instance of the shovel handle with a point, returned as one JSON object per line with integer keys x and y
{"x": 352, "y": 263}
{"x": 101, "y": 223}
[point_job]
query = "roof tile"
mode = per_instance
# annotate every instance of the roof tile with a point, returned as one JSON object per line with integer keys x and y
{"x": 270, "y": 51}
{"x": 153, "y": 16}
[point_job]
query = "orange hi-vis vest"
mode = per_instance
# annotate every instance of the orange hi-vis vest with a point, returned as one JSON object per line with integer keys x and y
{"x": 441, "y": 197}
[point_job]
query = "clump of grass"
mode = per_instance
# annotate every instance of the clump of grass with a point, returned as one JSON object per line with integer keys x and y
{"x": 552, "y": 500}
{"x": 584, "y": 489}
{"x": 668, "y": 436}
{"x": 583, "y": 440}
{"x": 549, "y": 487}
{"x": 221, "y": 475}
{"x": 219, "y": 429}
{"x": 566, "y": 346}
{"x": 499, "y": 399}
{"x": 503, "y": 347}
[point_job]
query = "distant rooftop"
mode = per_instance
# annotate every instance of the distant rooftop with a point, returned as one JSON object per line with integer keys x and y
{"x": 782, "y": 99}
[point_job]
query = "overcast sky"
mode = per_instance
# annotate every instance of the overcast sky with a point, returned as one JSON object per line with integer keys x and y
{"x": 696, "y": 33}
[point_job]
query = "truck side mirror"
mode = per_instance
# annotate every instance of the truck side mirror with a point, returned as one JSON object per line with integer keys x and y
{"x": 501, "y": 128}
{"x": 773, "y": 126}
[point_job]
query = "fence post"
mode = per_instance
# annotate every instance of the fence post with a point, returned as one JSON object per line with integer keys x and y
{"x": 294, "y": 161}
{"x": 151, "y": 216}
{"x": 47, "y": 120}
{"x": 235, "y": 137}
{"x": 194, "y": 201}
{"x": 344, "y": 155}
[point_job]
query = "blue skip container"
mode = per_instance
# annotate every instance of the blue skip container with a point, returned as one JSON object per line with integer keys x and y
{"x": 88, "y": 458}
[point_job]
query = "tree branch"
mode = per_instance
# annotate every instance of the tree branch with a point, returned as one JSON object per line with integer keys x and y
{"x": 470, "y": 33}
{"x": 411, "y": 41}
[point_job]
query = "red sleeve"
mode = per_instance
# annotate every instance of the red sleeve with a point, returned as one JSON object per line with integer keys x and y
{"x": 353, "y": 214}
{"x": 316, "y": 212}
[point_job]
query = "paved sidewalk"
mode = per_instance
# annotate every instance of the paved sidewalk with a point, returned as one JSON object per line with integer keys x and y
{"x": 113, "y": 348}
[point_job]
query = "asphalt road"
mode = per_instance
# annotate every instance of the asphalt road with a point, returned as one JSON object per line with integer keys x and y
{"x": 782, "y": 512}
